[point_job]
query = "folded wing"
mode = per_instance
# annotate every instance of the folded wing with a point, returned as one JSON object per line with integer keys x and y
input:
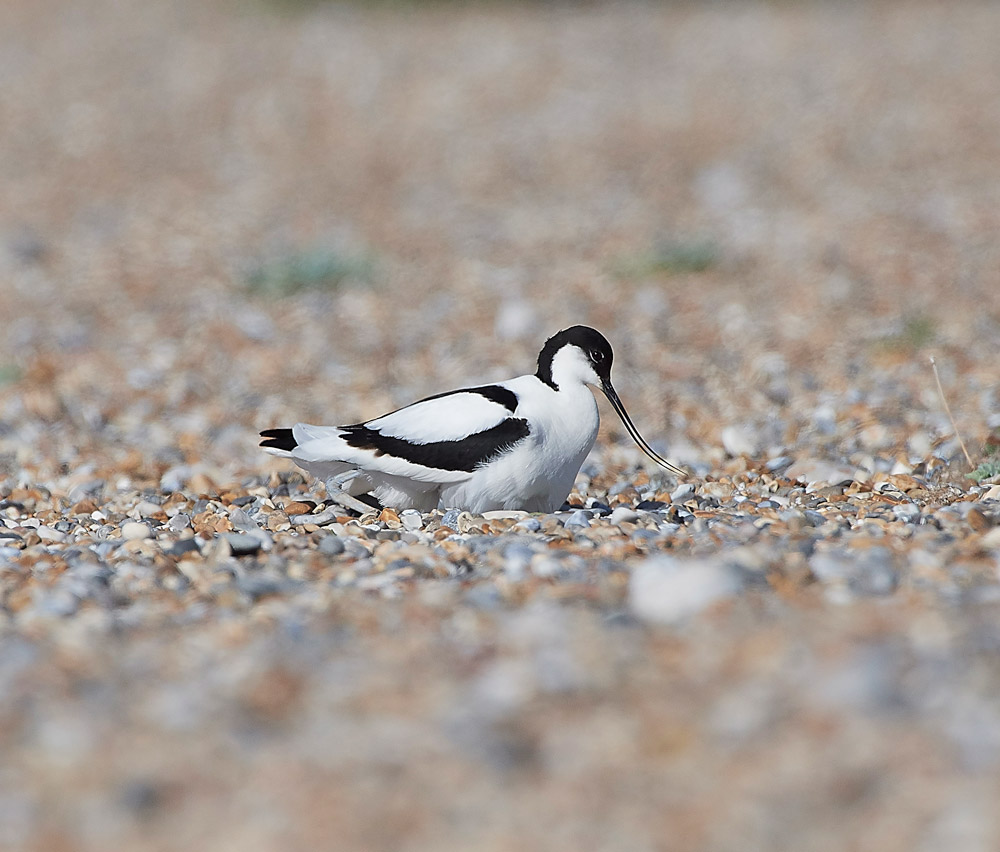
{"x": 439, "y": 439}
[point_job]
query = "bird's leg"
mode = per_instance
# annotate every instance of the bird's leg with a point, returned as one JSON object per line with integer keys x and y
{"x": 336, "y": 491}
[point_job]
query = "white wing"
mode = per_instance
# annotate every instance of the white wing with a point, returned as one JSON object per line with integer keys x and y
{"x": 440, "y": 439}
{"x": 449, "y": 417}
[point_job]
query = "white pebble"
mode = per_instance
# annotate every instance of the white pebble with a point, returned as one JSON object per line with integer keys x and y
{"x": 134, "y": 531}
{"x": 505, "y": 514}
{"x": 48, "y": 534}
{"x": 411, "y": 519}
{"x": 623, "y": 514}
{"x": 145, "y": 508}
{"x": 739, "y": 441}
{"x": 666, "y": 590}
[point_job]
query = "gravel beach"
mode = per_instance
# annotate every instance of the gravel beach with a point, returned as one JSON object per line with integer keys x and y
{"x": 222, "y": 217}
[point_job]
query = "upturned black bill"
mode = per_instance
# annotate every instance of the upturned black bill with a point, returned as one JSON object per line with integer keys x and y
{"x": 616, "y": 403}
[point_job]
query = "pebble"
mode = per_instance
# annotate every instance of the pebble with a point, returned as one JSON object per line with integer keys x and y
{"x": 242, "y": 544}
{"x": 865, "y": 572}
{"x": 178, "y": 522}
{"x": 907, "y": 512}
{"x": 623, "y": 514}
{"x": 665, "y": 590}
{"x": 684, "y": 491}
{"x": 411, "y": 519}
{"x": 817, "y": 519}
{"x": 811, "y": 470}
{"x": 183, "y": 546}
{"x": 259, "y": 584}
{"x": 48, "y": 534}
{"x": 331, "y": 545}
{"x": 146, "y": 509}
{"x": 579, "y": 518}
{"x": 504, "y": 515}
{"x": 739, "y": 441}
{"x": 135, "y": 531}
{"x": 778, "y": 463}
{"x": 240, "y": 520}
{"x": 175, "y": 478}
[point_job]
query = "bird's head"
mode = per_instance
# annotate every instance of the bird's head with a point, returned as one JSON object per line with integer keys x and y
{"x": 582, "y": 355}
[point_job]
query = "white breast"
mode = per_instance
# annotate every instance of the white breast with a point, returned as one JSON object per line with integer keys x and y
{"x": 539, "y": 473}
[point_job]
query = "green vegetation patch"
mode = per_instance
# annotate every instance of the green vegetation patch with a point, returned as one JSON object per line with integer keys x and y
{"x": 671, "y": 257}
{"x": 309, "y": 269}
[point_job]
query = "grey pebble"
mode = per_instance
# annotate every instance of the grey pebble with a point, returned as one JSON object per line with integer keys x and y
{"x": 907, "y": 512}
{"x": 86, "y": 489}
{"x": 517, "y": 557}
{"x": 876, "y": 574}
{"x": 105, "y": 548}
{"x": 645, "y": 537}
{"x": 46, "y": 533}
{"x": 184, "y": 545}
{"x": 868, "y": 572}
{"x": 682, "y": 492}
{"x": 529, "y": 525}
{"x": 87, "y": 571}
{"x": 242, "y": 521}
{"x": 59, "y": 602}
{"x": 259, "y": 584}
{"x": 778, "y": 463}
{"x": 484, "y": 596}
{"x": 450, "y": 518}
{"x": 331, "y": 545}
{"x": 174, "y": 479}
{"x": 179, "y": 522}
{"x": 242, "y": 544}
{"x": 579, "y": 518}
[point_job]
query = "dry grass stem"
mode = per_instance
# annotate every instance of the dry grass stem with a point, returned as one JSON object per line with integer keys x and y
{"x": 947, "y": 408}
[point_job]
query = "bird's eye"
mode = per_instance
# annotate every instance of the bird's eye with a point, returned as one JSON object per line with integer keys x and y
{"x": 596, "y": 356}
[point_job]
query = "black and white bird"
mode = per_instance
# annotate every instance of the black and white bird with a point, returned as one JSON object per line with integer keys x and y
{"x": 518, "y": 444}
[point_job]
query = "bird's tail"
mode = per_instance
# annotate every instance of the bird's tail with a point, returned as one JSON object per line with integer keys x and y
{"x": 279, "y": 442}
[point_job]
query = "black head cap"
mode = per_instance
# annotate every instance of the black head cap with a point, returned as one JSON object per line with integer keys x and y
{"x": 594, "y": 345}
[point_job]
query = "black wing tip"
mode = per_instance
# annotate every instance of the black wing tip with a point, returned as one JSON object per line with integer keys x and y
{"x": 278, "y": 439}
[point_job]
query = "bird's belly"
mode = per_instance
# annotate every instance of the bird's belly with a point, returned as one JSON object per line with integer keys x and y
{"x": 537, "y": 474}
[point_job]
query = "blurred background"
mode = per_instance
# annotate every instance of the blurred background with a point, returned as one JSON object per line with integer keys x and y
{"x": 222, "y": 216}
{"x": 219, "y": 216}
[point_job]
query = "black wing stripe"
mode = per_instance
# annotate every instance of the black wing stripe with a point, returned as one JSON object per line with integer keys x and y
{"x": 278, "y": 439}
{"x": 466, "y": 454}
{"x": 494, "y": 393}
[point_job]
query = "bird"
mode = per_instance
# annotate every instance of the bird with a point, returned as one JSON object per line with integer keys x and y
{"x": 514, "y": 445}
